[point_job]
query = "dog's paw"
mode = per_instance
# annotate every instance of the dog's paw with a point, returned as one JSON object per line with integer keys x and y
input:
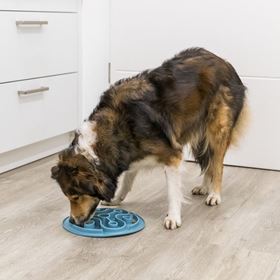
{"x": 213, "y": 199}
{"x": 200, "y": 190}
{"x": 171, "y": 222}
{"x": 113, "y": 202}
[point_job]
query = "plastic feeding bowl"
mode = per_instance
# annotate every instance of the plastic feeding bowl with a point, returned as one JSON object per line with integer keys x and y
{"x": 107, "y": 222}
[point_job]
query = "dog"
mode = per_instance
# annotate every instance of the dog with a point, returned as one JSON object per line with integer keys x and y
{"x": 196, "y": 99}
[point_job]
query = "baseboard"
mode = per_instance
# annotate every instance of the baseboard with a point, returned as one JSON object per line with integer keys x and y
{"x": 30, "y": 153}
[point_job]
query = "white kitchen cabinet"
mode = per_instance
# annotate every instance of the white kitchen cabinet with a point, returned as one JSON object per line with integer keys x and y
{"x": 37, "y": 109}
{"x": 37, "y": 44}
{"x": 40, "y": 5}
{"x": 39, "y": 78}
{"x": 144, "y": 33}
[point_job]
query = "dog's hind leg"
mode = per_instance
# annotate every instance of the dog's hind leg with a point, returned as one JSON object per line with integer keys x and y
{"x": 202, "y": 153}
{"x": 215, "y": 173}
{"x": 123, "y": 188}
{"x": 212, "y": 147}
{"x": 218, "y": 137}
{"x": 203, "y": 189}
{"x": 214, "y": 156}
{"x": 211, "y": 162}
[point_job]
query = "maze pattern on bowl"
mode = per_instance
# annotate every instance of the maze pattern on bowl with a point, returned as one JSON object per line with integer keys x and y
{"x": 107, "y": 222}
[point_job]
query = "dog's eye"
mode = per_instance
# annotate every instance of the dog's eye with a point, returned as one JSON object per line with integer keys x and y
{"x": 75, "y": 197}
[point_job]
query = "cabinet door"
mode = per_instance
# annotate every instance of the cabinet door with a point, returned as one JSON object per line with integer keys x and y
{"x": 37, "y": 44}
{"x": 37, "y": 109}
{"x": 40, "y": 5}
{"x": 144, "y": 33}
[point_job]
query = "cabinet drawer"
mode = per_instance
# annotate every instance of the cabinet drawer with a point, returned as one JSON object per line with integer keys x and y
{"x": 40, "y": 5}
{"x": 37, "y": 50}
{"x": 30, "y": 116}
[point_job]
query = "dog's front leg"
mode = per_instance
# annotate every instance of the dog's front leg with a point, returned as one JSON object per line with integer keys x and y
{"x": 175, "y": 197}
{"x": 122, "y": 189}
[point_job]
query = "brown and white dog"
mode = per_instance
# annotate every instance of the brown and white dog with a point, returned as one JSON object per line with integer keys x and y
{"x": 195, "y": 98}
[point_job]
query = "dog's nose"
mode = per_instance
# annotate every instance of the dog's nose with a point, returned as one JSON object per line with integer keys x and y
{"x": 80, "y": 224}
{"x": 76, "y": 221}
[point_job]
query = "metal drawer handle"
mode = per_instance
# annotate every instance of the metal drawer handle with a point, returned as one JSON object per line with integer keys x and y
{"x": 31, "y": 22}
{"x": 32, "y": 91}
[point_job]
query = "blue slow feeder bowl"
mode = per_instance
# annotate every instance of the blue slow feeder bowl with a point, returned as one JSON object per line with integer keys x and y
{"x": 107, "y": 222}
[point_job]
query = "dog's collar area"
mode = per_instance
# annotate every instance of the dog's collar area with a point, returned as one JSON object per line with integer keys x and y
{"x": 91, "y": 159}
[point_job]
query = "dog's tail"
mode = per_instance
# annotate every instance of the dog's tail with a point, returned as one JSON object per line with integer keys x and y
{"x": 241, "y": 124}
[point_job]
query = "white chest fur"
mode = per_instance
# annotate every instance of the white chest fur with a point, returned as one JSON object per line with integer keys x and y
{"x": 86, "y": 140}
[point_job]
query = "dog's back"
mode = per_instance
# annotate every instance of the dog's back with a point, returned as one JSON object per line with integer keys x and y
{"x": 195, "y": 97}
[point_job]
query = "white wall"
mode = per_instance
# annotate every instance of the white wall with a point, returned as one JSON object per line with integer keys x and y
{"x": 94, "y": 51}
{"x": 247, "y": 33}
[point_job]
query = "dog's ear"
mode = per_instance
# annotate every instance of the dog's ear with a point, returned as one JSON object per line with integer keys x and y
{"x": 97, "y": 185}
{"x": 54, "y": 171}
{"x": 73, "y": 171}
{"x": 105, "y": 188}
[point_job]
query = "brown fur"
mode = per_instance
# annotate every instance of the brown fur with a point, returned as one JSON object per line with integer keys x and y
{"x": 195, "y": 98}
{"x": 241, "y": 125}
{"x": 82, "y": 204}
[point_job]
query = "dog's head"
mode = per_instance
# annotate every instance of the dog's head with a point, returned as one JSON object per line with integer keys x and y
{"x": 82, "y": 183}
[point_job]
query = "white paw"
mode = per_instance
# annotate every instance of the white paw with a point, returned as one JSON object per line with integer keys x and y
{"x": 113, "y": 202}
{"x": 172, "y": 222}
{"x": 213, "y": 199}
{"x": 200, "y": 190}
